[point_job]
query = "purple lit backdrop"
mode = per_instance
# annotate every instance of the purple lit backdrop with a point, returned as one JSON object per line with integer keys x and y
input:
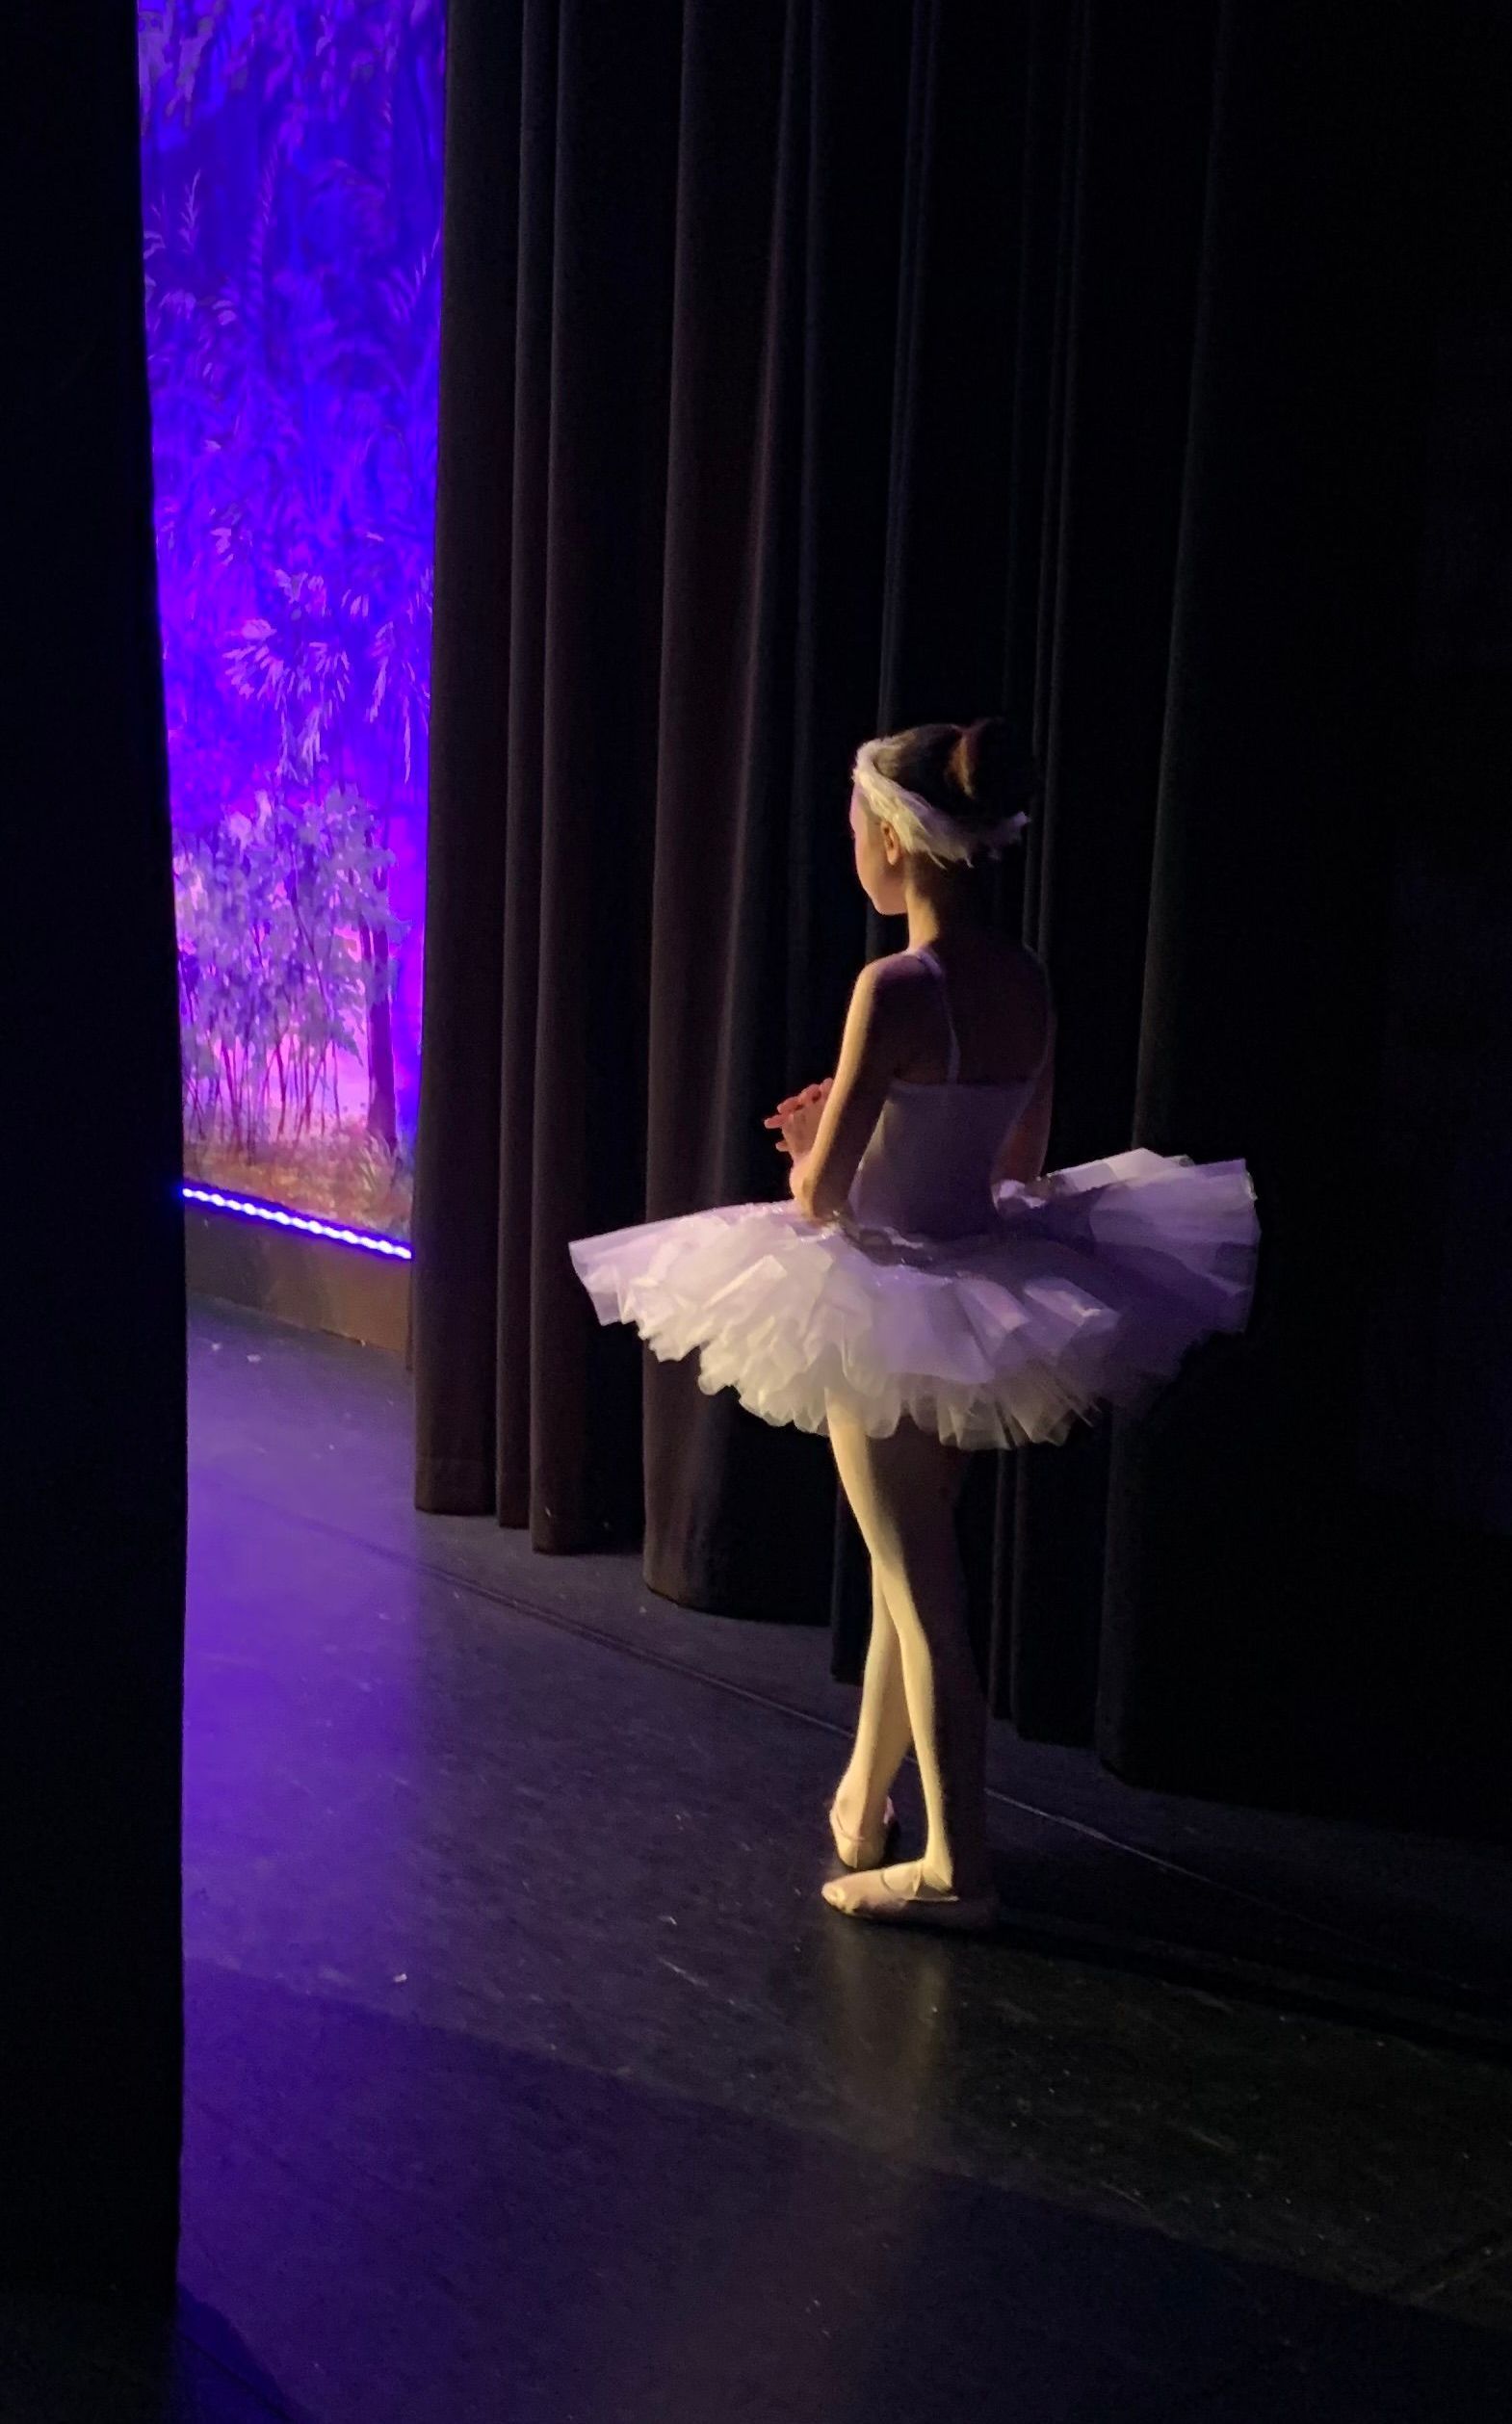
{"x": 292, "y": 185}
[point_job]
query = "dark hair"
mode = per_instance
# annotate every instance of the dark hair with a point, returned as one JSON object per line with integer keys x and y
{"x": 976, "y": 774}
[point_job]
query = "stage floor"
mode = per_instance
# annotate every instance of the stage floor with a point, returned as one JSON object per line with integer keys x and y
{"x": 529, "y": 2081}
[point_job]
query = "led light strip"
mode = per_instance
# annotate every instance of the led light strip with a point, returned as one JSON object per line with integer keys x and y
{"x": 247, "y": 1209}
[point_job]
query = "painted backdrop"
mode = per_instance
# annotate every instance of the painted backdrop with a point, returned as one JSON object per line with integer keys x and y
{"x": 292, "y": 184}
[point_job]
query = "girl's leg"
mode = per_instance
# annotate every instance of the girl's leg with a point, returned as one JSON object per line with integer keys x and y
{"x": 882, "y": 1729}
{"x": 904, "y": 1492}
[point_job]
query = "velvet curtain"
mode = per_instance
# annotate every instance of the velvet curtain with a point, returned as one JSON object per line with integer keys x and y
{"x": 91, "y": 1643}
{"x": 810, "y": 369}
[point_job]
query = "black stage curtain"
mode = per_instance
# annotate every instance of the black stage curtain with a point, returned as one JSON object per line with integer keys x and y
{"x": 814, "y": 369}
{"x": 93, "y": 1540}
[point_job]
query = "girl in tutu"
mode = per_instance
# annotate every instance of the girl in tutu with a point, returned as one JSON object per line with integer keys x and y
{"x": 926, "y": 1291}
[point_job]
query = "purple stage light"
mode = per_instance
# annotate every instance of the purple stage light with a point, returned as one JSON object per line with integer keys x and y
{"x": 246, "y": 1208}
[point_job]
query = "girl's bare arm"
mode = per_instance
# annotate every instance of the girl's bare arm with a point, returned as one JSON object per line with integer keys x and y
{"x": 866, "y": 1068}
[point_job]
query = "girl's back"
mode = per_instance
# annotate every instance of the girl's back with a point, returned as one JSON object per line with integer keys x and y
{"x": 975, "y": 1034}
{"x": 991, "y": 992}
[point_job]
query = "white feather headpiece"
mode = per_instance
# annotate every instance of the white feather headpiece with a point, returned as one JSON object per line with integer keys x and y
{"x": 925, "y": 830}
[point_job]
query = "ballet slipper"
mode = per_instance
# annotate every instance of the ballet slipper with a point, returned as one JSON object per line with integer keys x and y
{"x": 909, "y": 1902}
{"x": 866, "y": 1851}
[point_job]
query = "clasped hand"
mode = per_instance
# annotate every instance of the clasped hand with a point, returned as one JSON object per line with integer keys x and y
{"x": 798, "y": 1116}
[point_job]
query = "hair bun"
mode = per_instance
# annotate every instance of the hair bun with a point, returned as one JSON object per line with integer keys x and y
{"x": 994, "y": 771}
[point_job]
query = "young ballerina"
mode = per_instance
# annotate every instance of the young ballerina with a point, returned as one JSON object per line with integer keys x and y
{"x": 925, "y": 1293}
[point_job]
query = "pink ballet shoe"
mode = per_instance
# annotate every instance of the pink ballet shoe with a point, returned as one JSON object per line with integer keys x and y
{"x": 911, "y": 1903}
{"x": 866, "y": 1851}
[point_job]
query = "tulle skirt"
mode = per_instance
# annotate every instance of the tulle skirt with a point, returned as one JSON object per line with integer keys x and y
{"x": 1087, "y": 1292}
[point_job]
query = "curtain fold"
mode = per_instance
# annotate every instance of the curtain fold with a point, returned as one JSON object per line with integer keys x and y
{"x": 1291, "y": 701}
{"x": 815, "y": 369}
{"x": 735, "y": 660}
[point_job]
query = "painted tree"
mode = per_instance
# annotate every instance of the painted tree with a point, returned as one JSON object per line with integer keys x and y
{"x": 293, "y": 193}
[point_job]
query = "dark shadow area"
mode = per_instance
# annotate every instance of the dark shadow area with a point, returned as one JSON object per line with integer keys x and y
{"x": 91, "y": 1645}
{"x": 68, "y": 2361}
{"x": 1400, "y": 2002}
{"x": 464, "y": 2229}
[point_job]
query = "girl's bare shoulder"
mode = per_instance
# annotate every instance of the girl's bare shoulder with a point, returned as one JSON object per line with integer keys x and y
{"x": 899, "y": 971}
{"x": 897, "y": 985}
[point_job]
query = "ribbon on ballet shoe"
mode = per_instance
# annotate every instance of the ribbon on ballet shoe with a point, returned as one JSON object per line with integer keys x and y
{"x": 868, "y": 1895}
{"x": 866, "y": 1851}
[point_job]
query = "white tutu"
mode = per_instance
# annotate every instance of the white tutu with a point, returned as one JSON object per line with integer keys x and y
{"x": 1087, "y": 1292}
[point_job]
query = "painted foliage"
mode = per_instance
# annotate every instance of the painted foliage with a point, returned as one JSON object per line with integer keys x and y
{"x": 292, "y": 187}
